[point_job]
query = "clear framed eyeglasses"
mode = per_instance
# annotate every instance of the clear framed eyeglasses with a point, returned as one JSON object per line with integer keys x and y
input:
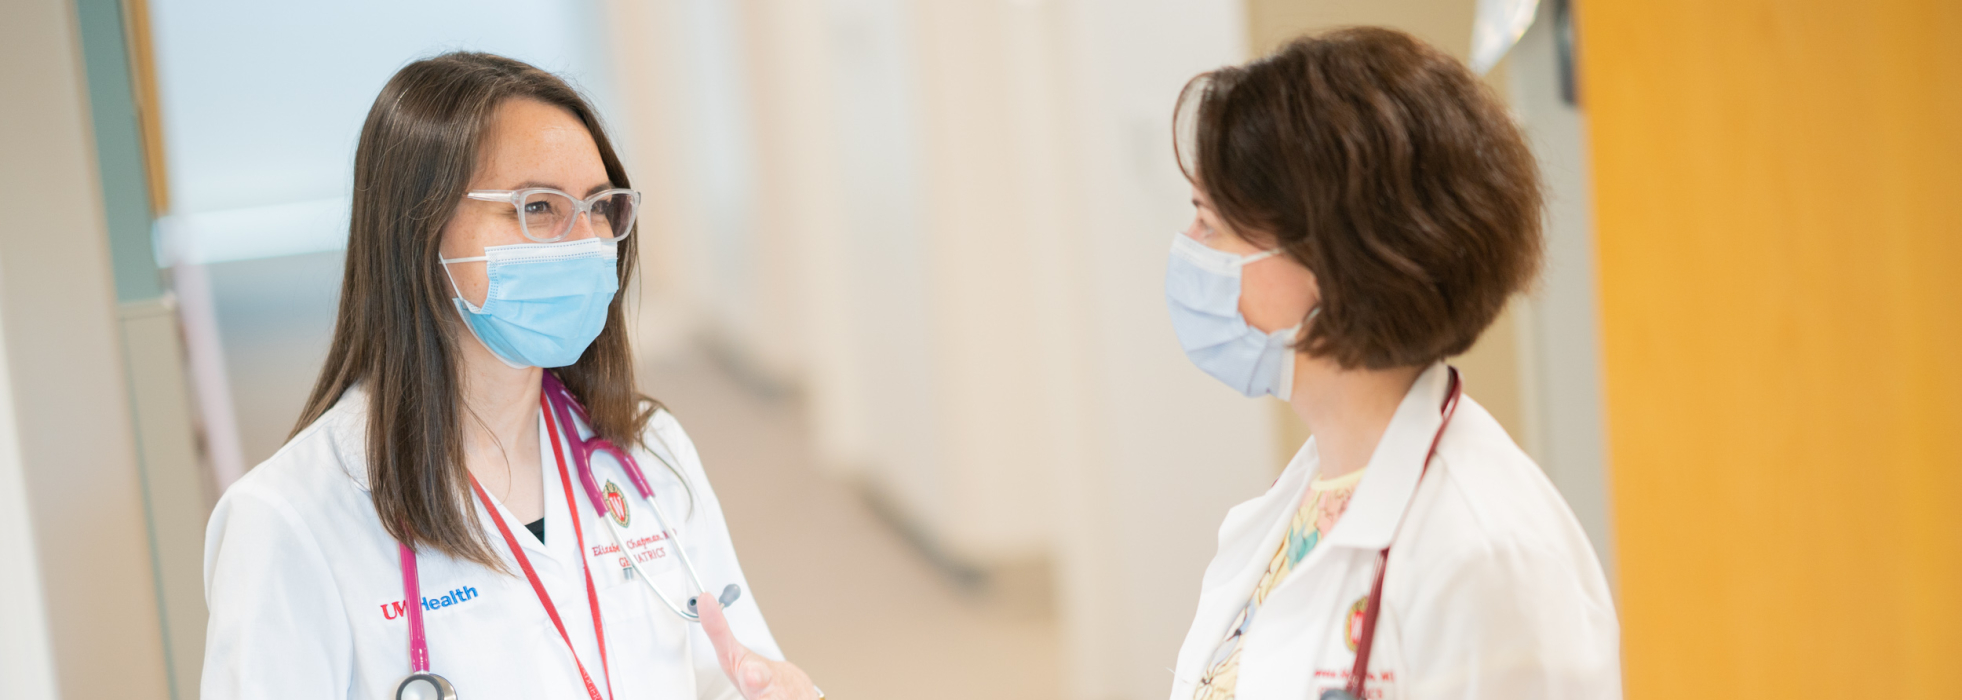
{"x": 546, "y": 215}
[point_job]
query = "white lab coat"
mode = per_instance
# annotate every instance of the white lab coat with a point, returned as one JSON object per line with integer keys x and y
{"x": 304, "y": 585}
{"x": 1492, "y": 592}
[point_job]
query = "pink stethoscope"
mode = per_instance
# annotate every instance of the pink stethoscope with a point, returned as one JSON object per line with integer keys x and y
{"x": 560, "y": 407}
{"x": 563, "y": 405}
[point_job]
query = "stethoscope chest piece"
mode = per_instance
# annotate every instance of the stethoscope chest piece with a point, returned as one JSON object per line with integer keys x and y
{"x": 729, "y": 595}
{"x": 425, "y": 686}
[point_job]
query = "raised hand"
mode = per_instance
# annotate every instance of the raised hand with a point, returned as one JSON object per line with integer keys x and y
{"x": 756, "y": 676}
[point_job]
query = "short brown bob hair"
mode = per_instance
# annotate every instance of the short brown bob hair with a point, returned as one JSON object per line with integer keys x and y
{"x": 1388, "y": 170}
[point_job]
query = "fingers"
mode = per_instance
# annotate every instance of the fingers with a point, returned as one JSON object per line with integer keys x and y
{"x": 757, "y": 677}
{"x": 728, "y": 652}
{"x": 751, "y": 673}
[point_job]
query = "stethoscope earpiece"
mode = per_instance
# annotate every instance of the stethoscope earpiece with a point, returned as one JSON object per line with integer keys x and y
{"x": 425, "y": 686}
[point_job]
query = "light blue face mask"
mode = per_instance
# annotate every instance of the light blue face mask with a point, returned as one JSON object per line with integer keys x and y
{"x": 1202, "y": 288}
{"x": 546, "y": 302}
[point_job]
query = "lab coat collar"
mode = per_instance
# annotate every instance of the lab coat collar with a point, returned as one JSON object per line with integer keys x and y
{"x": 346, "y": 424}
{"x": 1395, "y": 467}
{"x": 1258, "y": 524}
{"x": 1251, "y": 528}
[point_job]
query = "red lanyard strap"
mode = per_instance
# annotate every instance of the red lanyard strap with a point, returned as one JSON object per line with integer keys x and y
{"x": 531, "y": 574}
{"x": 1360, "y": 671}
{"x": 538, "y": 587}
{"x": 578, "y": 531}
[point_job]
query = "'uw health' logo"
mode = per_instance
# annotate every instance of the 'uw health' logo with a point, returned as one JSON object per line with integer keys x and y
{"x": 616, "y": 503}
{"x": 400, "y": 608}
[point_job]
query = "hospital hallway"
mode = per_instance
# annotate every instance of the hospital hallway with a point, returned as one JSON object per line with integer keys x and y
{"x": 923, "y": 282}
{"x": 850, "y": 600}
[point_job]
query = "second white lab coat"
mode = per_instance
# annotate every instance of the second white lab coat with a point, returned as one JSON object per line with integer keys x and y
{"x": 305, "y": 587}
{"x": 1492, "y": 592}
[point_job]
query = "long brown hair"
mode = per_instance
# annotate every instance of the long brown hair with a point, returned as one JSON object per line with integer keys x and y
{"x": 397, "y": 329}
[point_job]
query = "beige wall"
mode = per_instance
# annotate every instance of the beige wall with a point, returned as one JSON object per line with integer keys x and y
{"x": 65, "y": 375}
{"x": 181, "y": 490}
{"x": 27, "y": 667}
{"x": 1446, "y": 24}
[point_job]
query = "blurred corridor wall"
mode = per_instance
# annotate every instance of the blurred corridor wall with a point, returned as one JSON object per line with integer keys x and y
{"x": 78, "y": 594}
{"x": 961, "y": 217}
{"x": 1781, "y": 309}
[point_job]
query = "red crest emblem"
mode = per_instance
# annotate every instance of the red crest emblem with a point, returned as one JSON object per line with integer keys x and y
{"x": 616, "y": 503}
{"x": 1352, "y": 623}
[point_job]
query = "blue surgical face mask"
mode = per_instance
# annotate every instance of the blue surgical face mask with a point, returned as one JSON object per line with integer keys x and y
{"x": 546, "y": 301}
{"x": 1202, "y": 287}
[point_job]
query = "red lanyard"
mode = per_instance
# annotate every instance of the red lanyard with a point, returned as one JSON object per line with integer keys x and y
{"x": 579, "y": 535}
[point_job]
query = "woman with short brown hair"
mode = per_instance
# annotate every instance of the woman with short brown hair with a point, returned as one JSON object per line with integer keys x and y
{"x": 1366, "y": 207}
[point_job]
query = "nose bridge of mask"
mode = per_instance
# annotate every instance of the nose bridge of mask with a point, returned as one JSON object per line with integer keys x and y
{"x": 546, "y": 252}
{"x": 496, "y": 258}
{"x": 1215, "y": 261}
{"x": 1207, "y": 281}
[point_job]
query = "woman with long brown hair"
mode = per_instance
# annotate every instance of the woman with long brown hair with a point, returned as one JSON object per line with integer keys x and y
{"x": 477, "y": 501}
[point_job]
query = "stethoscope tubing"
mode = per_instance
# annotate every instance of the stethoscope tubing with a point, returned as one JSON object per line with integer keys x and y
{"x": 563, "y": 407}
{"x": 418, "y": 639}
{"x": 613, "y": 528}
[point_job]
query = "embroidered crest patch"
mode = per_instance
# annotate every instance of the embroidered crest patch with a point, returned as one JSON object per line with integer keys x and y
{"x": 1352, "y": 623}
{"x": 616, "y": 503}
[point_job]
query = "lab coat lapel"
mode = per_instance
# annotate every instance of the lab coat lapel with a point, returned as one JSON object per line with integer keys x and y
{"x": 1252, "y": 527}
{"x": 1395, "y": 467}
{"x": 558, "y": 545}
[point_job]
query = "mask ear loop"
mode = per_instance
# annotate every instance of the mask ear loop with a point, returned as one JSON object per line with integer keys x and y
{"x": 1257, "y": 257}
{"x": 1285, "y": 382}
{"x": 454, "y": 287}
{"x": 463, "y": 303}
